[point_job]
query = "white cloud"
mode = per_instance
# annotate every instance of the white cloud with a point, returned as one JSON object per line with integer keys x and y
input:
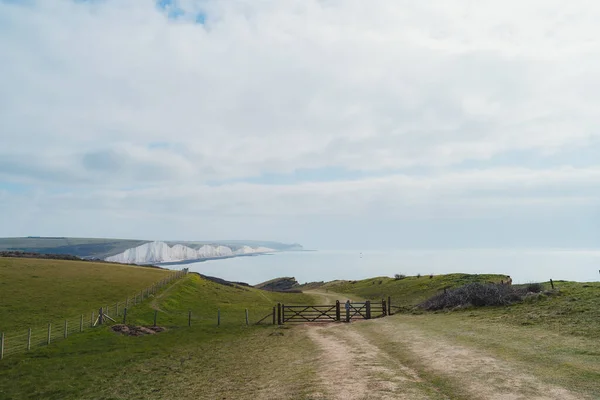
{"x": 89, "y": 88}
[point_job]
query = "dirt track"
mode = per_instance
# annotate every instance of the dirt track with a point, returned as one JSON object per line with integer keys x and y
{"x": 387, "y": 359}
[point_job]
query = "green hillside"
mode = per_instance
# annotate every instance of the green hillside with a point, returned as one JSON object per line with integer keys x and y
{"x": 34, "y": 292}
{"x": 573, "y": 306}
{"x": 81, "y": 247}
{"x": 408, "y": 291}
{"x": 201, "y": 361}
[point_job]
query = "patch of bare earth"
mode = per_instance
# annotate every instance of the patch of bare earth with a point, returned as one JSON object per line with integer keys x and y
{"x": 132, "y": 330}
{"x": 478, "y": 373}
{"x": 351, "y": 367}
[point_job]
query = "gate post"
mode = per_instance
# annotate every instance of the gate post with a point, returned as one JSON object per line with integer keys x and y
{"x": 347, "y": 315}
{"x": 389, "y": 305}
{"x": 368, "y": 304}
{"x": 274, "y": 315}
{"x": 278, "y": 313}
{"x": 383, "y": 307}
{"x": 337, "y": 310}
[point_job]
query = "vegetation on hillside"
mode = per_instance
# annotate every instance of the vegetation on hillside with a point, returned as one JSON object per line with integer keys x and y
{"x": 408, "y": 291}
{"x": 279, "y": 284}
{"x": 81, "y": 247}
{"x": 242, "y": 359}
{"x": 34, "y": 292}
{"x": 481, "y": 294}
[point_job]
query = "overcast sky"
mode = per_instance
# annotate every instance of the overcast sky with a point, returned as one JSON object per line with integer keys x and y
{"x": 331, "y": 123}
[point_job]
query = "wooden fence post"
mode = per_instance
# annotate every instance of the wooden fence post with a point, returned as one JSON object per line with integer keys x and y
{"x": 190, "y": 318}
{"x": 92, "y": 320}
{"x": 66, "y": 331}
{"x": 49, "y": 331}
{"x": 282, "y": 313}
{"x": 124, "y": 315}
{"x": 389, "y": 305}
{"x": 368, "y": 305}
{"x": 155, "y": 313}
{"x": 100, "y": 316}
{"x": 1, "y": 345}
{"x": 552, "y": 284}
{"x": 117, "y": 309}
{"x": 274, "y": 311}
{"x": 383, "y": 307}
{"x": 219, "y": 317}
{"x": 81, "y": 323}
{"x": 29, "y": 340}
{"x": 337, "y": 310}
{"x": 347, "y": 313}
{"x": 278, "y": 313}
{"x": 246, "y": 317}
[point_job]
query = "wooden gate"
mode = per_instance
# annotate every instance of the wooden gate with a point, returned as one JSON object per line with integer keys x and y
{"x": 309, "y": 313}
{"x": 331, "y": 313}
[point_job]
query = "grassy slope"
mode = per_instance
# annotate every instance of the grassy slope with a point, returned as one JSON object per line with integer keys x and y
{"x": 575, "y": 309}
{"x": 34, "y": 292}
{"x": 554, "y": 337}
{"x": 406, "y": 292}
{"x": 82, "y": 247}
{"x": 204, "y": 361}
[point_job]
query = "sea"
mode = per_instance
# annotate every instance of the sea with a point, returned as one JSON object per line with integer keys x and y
{"x": 523, "y": 265}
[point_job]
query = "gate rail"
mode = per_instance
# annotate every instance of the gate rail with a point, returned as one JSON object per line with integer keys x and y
{"x": 331, "y": 313}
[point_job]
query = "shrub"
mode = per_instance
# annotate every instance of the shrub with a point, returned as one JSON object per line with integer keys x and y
{"x": 418, "y": 276}
{"x": 430, "y": 276}
{"x": 475, "y": 294}
{"x": 399, "y": 276}
{"x": 534, "y": 288}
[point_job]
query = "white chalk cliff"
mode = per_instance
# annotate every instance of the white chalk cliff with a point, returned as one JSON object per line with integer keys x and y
{"x": 161, "y": 252}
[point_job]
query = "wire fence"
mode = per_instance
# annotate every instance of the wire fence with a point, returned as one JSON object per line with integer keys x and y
{"x": 17, "y": 342}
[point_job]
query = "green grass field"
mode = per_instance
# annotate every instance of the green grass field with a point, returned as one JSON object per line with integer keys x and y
{"x": 34, "y": 292}
{"x": 575, "y": 307}
{"x": 139, "y": 367}
{"x": 406, "y": 292}
{"x": 236, "y": 361}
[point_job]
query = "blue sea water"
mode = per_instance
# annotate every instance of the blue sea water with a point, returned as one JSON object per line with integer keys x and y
{"x": 522, "y": 265}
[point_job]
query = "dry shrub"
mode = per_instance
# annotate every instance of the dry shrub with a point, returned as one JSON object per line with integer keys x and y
{"x": 477, "y": 295}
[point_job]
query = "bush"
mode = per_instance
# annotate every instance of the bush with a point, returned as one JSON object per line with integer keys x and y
{"x": 418, "y": 276}
{"x": 534, "y": 288}
{"x": 399, "y": 276}
{"x": 475, "y": 294}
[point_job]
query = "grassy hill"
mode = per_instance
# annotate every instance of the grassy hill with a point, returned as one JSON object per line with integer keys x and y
{"x": 34, "y": 292}
{"x": 278, "y": 284}
{"x": 222, "y": 358}
{"x": 574, "y": 306}
{"x": 408, "y": 291}
{"x": 234, "y": 360}
{"x": 81, "y": 247}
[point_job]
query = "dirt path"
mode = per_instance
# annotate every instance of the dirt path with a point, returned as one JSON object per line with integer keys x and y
{"x": 385, "y": 359}
{"x": 350, "y": 367}
{"x": 326, "y": 297}
{"x": 477, "y": 373}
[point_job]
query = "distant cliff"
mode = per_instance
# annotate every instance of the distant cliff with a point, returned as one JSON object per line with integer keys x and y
{"x": 285, "y": 284}
{"x": 142, "y": 251}
{"x": 162, "y": 252}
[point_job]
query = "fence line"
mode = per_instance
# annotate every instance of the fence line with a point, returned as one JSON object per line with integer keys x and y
{"x": 29, "y": 339}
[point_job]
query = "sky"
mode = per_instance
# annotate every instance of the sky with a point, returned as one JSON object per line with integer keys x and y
{"x": 331, "y": 123}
